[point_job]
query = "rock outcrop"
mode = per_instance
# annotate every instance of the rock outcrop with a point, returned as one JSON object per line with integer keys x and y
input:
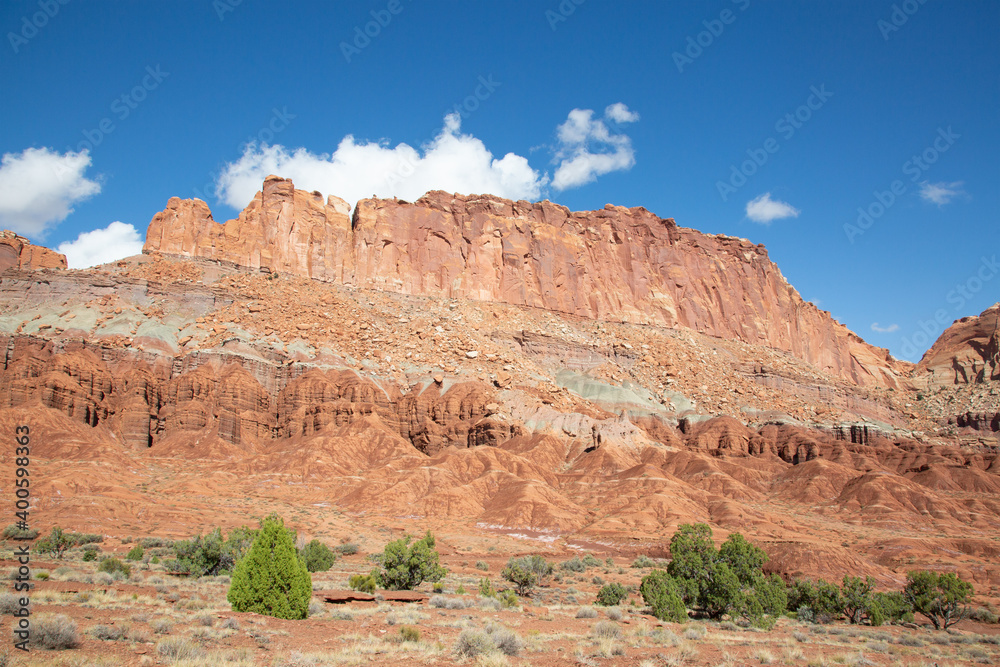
{"x": 617, "y": 264}
{"x": 968, "y": 352}
{"x": 17, "y": 252}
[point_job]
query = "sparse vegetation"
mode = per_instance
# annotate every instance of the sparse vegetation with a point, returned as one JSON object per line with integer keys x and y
{"x": 526, "y": 572}
{"x": 53, "y": 632}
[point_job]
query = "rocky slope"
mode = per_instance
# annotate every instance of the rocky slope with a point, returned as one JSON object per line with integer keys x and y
{"x": 614, "y": 264}
{"x": 184, "y": 389}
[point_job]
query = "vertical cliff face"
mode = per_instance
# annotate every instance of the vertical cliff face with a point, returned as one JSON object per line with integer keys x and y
{"x": 623, "y": 264}
{"x": 17, "y": 252}
{"x": 968, "y": 352}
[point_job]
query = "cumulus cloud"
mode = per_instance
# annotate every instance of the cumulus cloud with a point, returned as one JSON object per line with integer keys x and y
{"x": 452, "y": 161}
{"x": 101, "y": 246}
{"x": 887, "y": 329}
{"x": 940, "y": 193}
{"x": 588, "y": 149}
{"x": 764, "y": 210}
{"x": 38, "y": 188}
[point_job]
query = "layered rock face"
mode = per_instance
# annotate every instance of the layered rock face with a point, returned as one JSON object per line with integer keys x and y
{"x": 967, "y": 352}
{"x": 17, "y": 252}
{"x": 620, "y": 264}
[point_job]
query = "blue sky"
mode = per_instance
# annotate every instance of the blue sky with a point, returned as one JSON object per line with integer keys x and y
{"x": 682, "y": 95}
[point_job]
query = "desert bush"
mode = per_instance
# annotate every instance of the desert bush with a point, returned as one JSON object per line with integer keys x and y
{"x": 364, "y": 583}
{"x": 54, "y": 633}
{"x": 347, "y": 548}
{"x": 821, "y": 597}
{"x": 55, "y": 543}
{"x": 211, "y": 554}
{"x": 507, "y": 599}
{"x": 81, "y": 539}
{"x": 525, "y": 572}
{"x": 108, "y": 632}
{"x": 857, "y": 597}
{"x": 983, "y": 615}
{"x": 663, "y": 596}
{"x": 318, "y": 556}
{"x": 12, "y": 532}
{"x": 505, "y": 640}
{"x": 155, "y": 543}
{"x": 408, "y": 634}
{"x": 271, "y": 579}
{"x": 643, "y": 561}
{"x": 611, "y": 595}
{"x": 889, "y": 607}
{"x": 482, "y": 565}
{"x": 590, "y": 560}
{"x": 10, "y": 603}
{"x": 586, "y": 612}
{"x": 136, "y": 553}
{"x": 161, "y": 626}
{"x": 89, "y": 555}
{"x": 574, "y": 564}
{"x": 472, "y": 643}
{"x": 112, "y": 566}
{"x": 607, "y": 630}
{"x": 180, "y": 648}
{"x": 942, "y": 598}
{"x": 615, "y": 613}
{"x": 405, "y": 566}
{"x": 231, "y": 624}
{"x": 490, "y": 604}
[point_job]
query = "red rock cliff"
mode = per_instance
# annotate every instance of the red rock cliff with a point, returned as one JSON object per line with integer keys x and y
{"x": 16, "y": 252}
{"x": 616, "y": 263}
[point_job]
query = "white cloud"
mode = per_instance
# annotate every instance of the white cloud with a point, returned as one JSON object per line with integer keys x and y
{"x": 587, "y": 149}
{"x": 101, "y": 246}
{"x": 888, "y": 329}
{"x": 940, "y": 193}
{"x": 38, "y": 188}
{"x": 763, "y": 209}
{"x": 452, "y": 161}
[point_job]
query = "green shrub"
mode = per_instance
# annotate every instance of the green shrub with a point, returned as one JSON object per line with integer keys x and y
{"x": 438, "y": 588}
{"x": 271, "y": 578}
{"x": 590, "y": 560}
{"x": 12, "y": 532}
{"x": 942, "y": 598}
{"x": 822, "y": 597}
{"x": 508, "y": 600}
{"x": 89, "y": 555}
{"x": 526, "y": 572}
{"x": 364, "y": 583}
{"x": 318, "y": 556}
{"x": 113, "y": 565}
{"x": 408, "y": 634}
{"x": 482, "y": 565}
{"x": 347, "y": 549}
{"x": 56, "y": 543}
{"x": 136, "y": 553}
{"x": 574, "y": 564}
{"x": 856, "y": 597}
{"x": 611, "y": 595}
{"x": 643, "y": 561}
{"x": 211, "y": 554}
{"x": 486, "y": 589}
{"x": 663, "y": 596}
{"x": 406, "y": 566}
